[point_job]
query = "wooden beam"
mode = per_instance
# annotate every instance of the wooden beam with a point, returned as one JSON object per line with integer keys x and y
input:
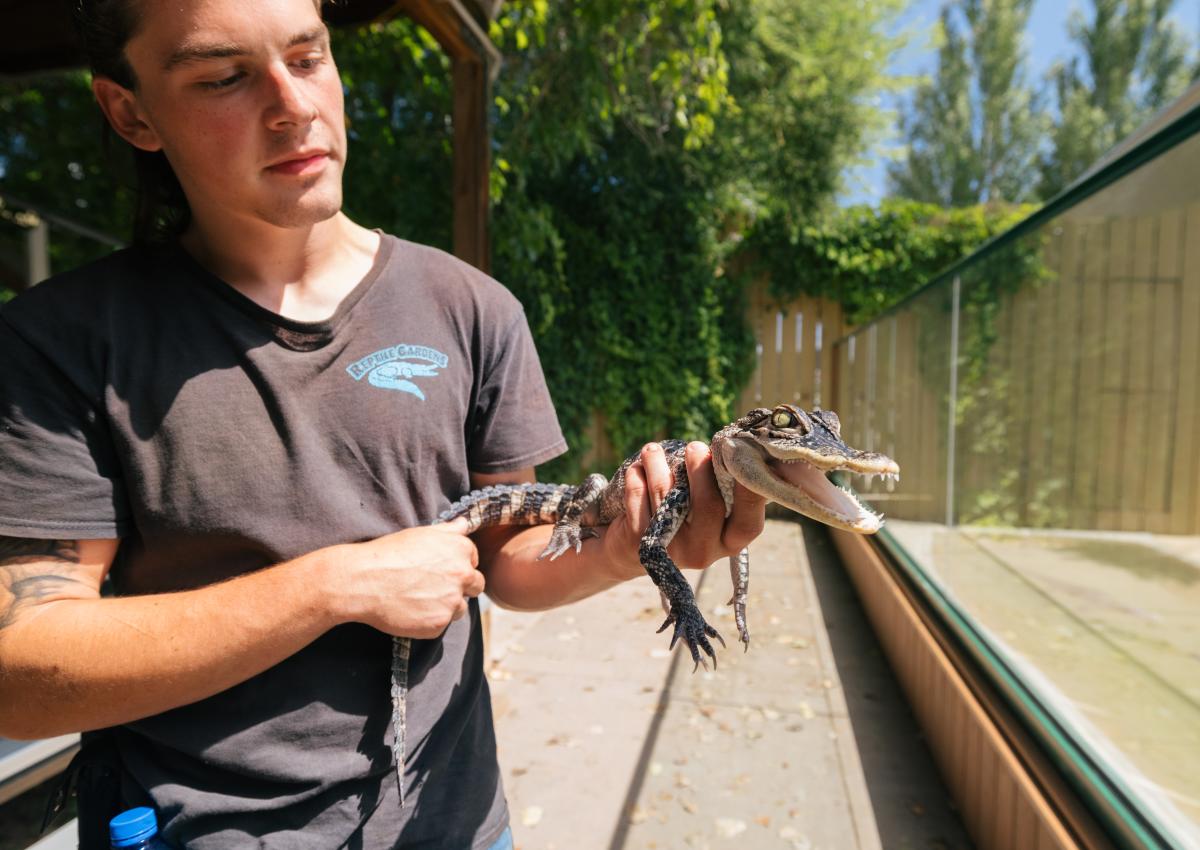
{"x": 40, "y": 36}
{"x": 472, "y": 164}
{"x": 475, "y": 62}
{"x": 455, "y": 29}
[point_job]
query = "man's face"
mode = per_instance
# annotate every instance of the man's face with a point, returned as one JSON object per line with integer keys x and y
{"x": 245, "y": 101}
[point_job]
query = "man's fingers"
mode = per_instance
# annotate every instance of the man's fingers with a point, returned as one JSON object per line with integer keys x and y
{"x": 707, "y": 507}
{"x": 637, "y": 501}
{"x": 747, "y": 520}
{"x": 460, "y": 526}
{"x": 474, "y": 584}
{"x": 658, "y": 474}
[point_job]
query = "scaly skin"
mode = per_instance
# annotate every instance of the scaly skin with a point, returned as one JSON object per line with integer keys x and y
{"x": 782, "y": 454}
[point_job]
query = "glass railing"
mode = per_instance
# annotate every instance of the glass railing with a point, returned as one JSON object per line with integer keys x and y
{"x": 1043, "y": 402}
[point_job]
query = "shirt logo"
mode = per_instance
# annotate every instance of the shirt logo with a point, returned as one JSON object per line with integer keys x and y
{"x": 391, "y": 368}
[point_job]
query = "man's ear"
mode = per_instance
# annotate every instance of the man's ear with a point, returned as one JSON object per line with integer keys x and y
{"x": 120, "y": 106}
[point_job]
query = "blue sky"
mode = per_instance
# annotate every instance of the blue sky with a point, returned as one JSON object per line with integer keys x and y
{"x": 1046, "y": 43}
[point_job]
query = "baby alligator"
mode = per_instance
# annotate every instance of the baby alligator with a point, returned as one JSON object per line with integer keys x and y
{"x": 782, "y": 454}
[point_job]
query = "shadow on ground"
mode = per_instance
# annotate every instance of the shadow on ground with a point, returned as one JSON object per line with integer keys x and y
{"x": 912, "y": 808}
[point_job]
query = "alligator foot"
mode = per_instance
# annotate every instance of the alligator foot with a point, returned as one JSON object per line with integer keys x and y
{"x": 691, "y": 626}
{"x": 739, "y": 617}
{"x": 567, "y": 535}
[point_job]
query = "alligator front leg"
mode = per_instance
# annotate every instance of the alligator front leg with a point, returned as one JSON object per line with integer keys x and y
{"x": 684, "y": 613}
{"x": 568, "y": 531}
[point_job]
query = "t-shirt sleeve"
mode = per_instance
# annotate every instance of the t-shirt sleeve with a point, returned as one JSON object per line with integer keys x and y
{"x": 514, "y": 423}
{"x": 59, "y": 477}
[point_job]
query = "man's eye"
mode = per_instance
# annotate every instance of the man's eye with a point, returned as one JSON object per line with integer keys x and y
{"x": 224, "y": 83}
{"x": 309, "y": 64}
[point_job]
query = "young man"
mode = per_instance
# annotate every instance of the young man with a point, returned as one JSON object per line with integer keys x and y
{"x": 249, "y": 427}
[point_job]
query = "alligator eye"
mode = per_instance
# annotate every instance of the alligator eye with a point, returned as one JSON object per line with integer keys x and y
{"x": 783, "y": 419}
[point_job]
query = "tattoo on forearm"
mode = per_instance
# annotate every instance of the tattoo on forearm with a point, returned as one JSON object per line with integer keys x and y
{"x": 32, "y": 570}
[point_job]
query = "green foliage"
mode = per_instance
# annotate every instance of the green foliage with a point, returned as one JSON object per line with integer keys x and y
{"x": 641, "y": 329}
{"x": 799, "y": 76}
{"x": 973, "y": 131}
{"x": 53, "y": 152}
{"x": 868, "y": 258}
{"x": 398, "y": 99}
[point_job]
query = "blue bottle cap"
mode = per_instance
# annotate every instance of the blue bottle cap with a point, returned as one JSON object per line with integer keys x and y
{"x": 132, "y": 826}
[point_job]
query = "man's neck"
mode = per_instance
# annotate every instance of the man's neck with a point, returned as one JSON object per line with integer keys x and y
{"x": 302, "y": 273}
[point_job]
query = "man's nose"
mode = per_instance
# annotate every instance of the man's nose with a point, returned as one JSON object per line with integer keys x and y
{"x": 289, "y": 100}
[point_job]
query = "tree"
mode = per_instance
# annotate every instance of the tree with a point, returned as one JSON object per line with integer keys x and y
{"x": 800, "y": 78}
{"x": 941, "y": 166}
{"x": 1134, "y": 63}
{"x": 972, "y": 131}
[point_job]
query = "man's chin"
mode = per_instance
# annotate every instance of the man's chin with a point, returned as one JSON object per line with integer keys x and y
{"x": 310, "y": 209}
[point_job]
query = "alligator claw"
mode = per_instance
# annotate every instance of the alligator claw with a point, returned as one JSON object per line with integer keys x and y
{"x": 566, "y": 536}
{"x": 740, "y": 618}
{"x": 691, "y": 626}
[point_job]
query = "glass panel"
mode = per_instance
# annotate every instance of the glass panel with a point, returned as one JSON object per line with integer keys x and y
{"x": 893, "y": 397}
{"x": 1073, "y": 539}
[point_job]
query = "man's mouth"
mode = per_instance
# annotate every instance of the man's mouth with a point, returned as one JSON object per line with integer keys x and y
{"x": 300, "y": 165}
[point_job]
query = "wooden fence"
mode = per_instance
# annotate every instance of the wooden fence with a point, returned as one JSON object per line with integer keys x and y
{"x": 794, "y": 350}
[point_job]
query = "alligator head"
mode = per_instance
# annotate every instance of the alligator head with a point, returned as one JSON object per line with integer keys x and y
{"x": 784, "y": 455}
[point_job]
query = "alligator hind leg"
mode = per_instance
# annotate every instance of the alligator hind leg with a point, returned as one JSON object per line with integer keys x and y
{"x": 568, "y": 532}
{"x": 739, "y": 572}
{"x": 684, "y": 613}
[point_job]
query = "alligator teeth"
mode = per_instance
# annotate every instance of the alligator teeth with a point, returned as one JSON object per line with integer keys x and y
{"x": 885, "y": 476}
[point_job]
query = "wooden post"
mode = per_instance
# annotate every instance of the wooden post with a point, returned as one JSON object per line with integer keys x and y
{"x": 37, "y": 249}
{"x": 472, "y": 163}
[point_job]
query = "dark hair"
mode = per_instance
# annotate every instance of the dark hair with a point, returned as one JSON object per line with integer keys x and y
{"x": 162, "y": 210}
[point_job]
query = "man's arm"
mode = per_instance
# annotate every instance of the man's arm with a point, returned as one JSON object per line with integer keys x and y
{"x": 72, "y": 661}
{"x": 516, "y": 579}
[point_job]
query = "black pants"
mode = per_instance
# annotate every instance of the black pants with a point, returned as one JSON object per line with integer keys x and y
{"x": 96, "y": 777}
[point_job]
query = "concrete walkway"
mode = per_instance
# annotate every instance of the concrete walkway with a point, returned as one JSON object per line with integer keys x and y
{"x": 607, "y": 741}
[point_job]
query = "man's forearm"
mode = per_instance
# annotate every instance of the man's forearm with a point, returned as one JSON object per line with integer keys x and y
{"x": 517, "y": 580}
{"x": 78, "y": 664}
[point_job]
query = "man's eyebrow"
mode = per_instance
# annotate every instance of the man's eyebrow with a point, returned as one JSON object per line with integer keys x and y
{"x": 223, "y": 50}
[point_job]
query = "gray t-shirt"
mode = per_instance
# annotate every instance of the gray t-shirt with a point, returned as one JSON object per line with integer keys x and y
{"x": 143, "y": 398}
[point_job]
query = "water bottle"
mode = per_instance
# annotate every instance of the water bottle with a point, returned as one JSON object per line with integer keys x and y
{"x": 135, "y": 829}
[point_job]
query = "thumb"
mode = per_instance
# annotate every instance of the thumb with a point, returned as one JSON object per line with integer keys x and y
{"x": 458, "y": 525}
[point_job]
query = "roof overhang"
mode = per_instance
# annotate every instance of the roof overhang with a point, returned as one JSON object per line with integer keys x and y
{"x": 42, "y": 35}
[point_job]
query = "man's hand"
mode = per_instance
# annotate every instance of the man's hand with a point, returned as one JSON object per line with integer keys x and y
{"x": 412, "y": 583}
{"x": 707, "y": 536}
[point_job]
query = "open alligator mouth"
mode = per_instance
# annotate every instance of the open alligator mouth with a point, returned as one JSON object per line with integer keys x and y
{"x": 799, "y": 482}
